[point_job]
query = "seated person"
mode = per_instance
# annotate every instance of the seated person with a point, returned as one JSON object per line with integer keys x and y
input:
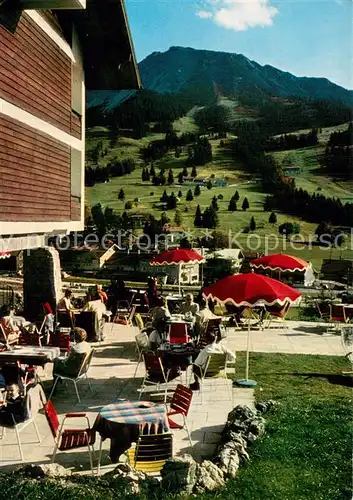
{"x": 65, "y": 304}
{"x": 65, "y": 307}
{"x": 189, "y": 306}
{"x": 202, "y": 317}
{"x": 14, "y": 408}
{"x": 70, "y": 366}
{"x": 157, "y": 335}
{"x": 213, "y": 347}
{"x": 101, "y": 293}
{"x": 160, "y": 313}
{"x": 49, "y": 318}
{"x": 12, "y": 332}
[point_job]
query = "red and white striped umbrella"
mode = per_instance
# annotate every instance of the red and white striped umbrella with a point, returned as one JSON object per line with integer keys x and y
{"x": 251, "y": 290}
{"x": 280, "y": 262}
{"x": 177, "y": 256}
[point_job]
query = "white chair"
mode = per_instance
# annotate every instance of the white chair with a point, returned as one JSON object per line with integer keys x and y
{"x": 215, "y": 367}
{"x": 82, "y": 375}
{"x": 29, "y": 402}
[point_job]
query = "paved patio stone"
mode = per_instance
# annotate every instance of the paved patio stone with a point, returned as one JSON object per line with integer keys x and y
{"x": 111, "y": 376}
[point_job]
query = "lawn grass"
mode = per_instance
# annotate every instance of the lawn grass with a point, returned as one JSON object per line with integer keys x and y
{"x": 306, "y": 451}
{"x": 311, "y": 176}
{"x": 304, "y": 455}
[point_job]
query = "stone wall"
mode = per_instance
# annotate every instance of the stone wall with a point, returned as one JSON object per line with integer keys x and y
{"x": 41, "y": 280}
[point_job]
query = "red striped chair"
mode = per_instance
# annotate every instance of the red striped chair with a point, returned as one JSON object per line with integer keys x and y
{"x": 180, "y": 405}
{"x": 178, "y": 333}
{"x": 68, "y": 439}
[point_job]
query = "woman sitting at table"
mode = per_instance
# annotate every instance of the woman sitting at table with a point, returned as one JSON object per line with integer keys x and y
{"x": 213, "y": 347}
{"x": 101, "y": 293}
{"x": 203, "y": 316}
{"x": 65, "y": 307}
{"x": 189, "y": 306}
{"x": 160, "y": 314}
{"x": 11, "y": 331}
{"x": 70, "y": 366}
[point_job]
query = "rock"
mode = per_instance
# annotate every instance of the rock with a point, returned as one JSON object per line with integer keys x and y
{"x": 209, "y": 477}
{"x": 133, "y": 481}
{"x": 240, "y": 413}
{"x": 264, "y": 406}
{"x": 230, "y": 455}
{"x": 43, "y": 470}
{"x": 257, "y": 426}
{"x": 179, "y": 474}
{"x": 237, "y": 422}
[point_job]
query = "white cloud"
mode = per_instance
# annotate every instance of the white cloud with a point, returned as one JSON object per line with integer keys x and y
{"x": 204, "y": 14}
{"x": 239, "y": 15}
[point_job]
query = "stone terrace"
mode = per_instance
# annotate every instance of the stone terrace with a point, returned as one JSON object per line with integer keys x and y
{"x": 111, "y": 376}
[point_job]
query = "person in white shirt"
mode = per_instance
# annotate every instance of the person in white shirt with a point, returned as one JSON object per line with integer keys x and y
{"x": 189, "y": 306}
{"x": 96, "y": 305}
{"x": 202, "y": 317}
{"x": 213, "y": 347}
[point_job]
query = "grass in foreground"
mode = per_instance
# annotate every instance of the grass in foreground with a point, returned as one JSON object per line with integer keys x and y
{"x": 306, "y": 452}
{"x": 304, "y": 455}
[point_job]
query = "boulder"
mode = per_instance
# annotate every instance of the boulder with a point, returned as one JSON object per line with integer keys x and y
{"x": 264, "y": 406}
{"x": 179, "y": 474}
{"x": 43, "y": 470}
{"x": 209, "y": 477}
{"x": 131, "y": 480}
{"x": 257, "y": 426}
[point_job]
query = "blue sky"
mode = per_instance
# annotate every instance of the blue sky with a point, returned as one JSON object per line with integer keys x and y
{"x": 307, "y": 38}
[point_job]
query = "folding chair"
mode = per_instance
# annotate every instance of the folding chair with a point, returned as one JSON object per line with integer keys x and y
{"x": 215, "y": 367}
{"x": 62, "y": 340}
{"x": 324, "y": 310}
{"x": 276, "y": 314}
{"x": 142, "y": 345}
{"x": 151, "y": 452}
{"x": 20, "y": 426}
{"x": 68, "y": 439}
{"x": 30, "y": 336}
{"x": 124, "y": 316}
{"x": 180, "y": 405}
{"x": 338, "y": 316}
{"x": 155, "y": 373}
{"x": 178, "y": 333}
{"x": 9, "y": 338}
{"x": 82, "y": 374}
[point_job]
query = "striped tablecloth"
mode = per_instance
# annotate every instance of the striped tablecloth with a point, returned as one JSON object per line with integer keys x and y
{"x": 135, "y": 412}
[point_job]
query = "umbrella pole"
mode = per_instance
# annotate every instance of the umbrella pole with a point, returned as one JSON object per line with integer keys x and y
{"x": 179, "y": 279}
{"x": 246, "y": 382}
{"x": 247, "y": 354}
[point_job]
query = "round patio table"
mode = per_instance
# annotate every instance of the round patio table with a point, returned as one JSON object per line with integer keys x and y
{"x": 121, "y": 422}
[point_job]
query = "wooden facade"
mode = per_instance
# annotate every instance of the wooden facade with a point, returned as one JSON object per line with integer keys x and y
{"x": 46, "y": 59}
{"x": 36, "y": 77}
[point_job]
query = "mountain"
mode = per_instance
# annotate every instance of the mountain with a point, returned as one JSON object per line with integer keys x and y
{"x": 191, "y": 72}
{"x": 182, "y": 69}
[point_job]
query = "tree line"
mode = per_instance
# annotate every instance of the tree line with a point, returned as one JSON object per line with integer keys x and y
{"x": 115, "y": 168}
{"x": 338, "y": 158}
{"x": 292, "y": 141}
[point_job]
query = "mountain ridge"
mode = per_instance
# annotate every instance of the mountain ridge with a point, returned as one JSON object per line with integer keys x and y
{"x": 188, "y": 70}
